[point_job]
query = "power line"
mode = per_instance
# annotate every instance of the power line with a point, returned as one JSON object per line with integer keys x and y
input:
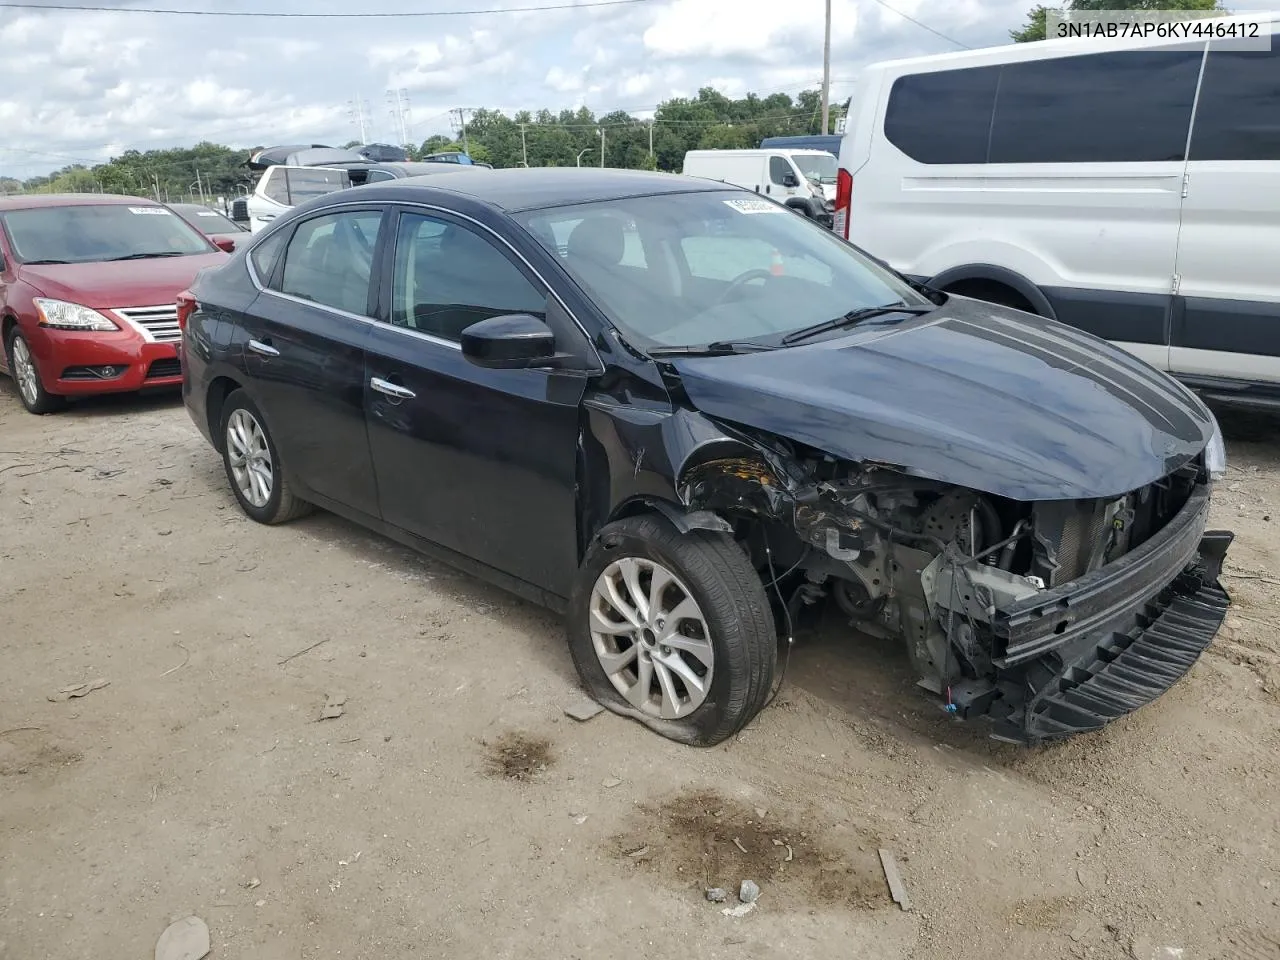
{"x": 298, "y": 15}
{"x": 924, "y": 26}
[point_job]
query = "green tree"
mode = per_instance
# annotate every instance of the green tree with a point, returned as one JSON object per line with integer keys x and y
{"x": 1034, "y": 28}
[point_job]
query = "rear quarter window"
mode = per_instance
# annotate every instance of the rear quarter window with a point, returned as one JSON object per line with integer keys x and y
{"x": 266, "y": 255}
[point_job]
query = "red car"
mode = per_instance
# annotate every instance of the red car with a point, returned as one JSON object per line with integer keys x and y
{"x": 225, "y": 233}
{"x": 88, "y": 294}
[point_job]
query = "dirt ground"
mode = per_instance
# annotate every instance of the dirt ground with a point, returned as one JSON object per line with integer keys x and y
{"x": 453, "y": 810}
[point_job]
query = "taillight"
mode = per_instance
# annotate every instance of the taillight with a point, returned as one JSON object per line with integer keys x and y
{"x": 186, "y": 307}
{"x": 844, "y": 199}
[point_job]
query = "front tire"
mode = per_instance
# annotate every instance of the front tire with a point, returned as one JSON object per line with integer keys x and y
{"x": 253, "y": 465}
{"x": 26, "y": 375}
{"x": 673, "y": 629}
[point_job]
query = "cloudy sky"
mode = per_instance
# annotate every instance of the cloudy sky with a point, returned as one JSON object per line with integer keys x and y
{"x": 82, "y": 86}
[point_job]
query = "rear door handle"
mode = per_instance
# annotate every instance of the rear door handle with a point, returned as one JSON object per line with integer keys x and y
{"x": 391, "y": 389}
{"x": 266, "y": 349}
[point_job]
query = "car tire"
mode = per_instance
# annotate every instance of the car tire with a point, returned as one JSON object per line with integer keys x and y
{"x": 253, "y": 464}
{"x": 26, "y": 377}
{"x": 725, "y": 640}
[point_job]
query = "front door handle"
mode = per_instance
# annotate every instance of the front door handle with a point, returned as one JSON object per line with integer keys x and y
{"x": 266, "y": 349}
{"x": 391, "y": 389}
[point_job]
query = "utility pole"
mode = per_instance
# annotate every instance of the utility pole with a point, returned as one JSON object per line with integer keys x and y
{"x": 399, "y": 101}
{"x": 524, "y": 147}
{"x": 601, "y": 132}
{"x": 650, "y": 139}
{"x": 462, "y": 122}
{"x": 357, "y": 114}
{"x": 826, "y": 74}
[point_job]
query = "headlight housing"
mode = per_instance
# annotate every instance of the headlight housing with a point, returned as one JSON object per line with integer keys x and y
{"x": 61, "y": 315}
{"x": 1215, "y": 454}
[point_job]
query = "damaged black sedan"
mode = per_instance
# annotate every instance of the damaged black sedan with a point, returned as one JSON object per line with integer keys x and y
{"x": 687, "y": 419}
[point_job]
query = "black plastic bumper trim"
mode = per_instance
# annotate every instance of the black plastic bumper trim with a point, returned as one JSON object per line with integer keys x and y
{"x": 1031, "y": 628}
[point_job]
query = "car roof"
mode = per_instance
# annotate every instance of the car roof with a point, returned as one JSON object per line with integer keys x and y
{"x": 516, "y": 188}
{"x": 72, "y": 200}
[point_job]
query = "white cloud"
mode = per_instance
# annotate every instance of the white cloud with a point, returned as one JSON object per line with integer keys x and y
{"x": 87, "y": 85}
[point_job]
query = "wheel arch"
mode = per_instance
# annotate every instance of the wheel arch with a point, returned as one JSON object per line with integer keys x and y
{"x": 221, "y": 387}
{"x": 995, "y": 274}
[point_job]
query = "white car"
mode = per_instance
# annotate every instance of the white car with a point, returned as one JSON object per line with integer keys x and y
{"x": 1129, "y": 187}
{"x": 281, "y": 187}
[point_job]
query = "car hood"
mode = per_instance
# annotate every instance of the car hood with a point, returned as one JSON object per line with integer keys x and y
{"x": 971, "y": 394}
{"x": 124, "y": 283}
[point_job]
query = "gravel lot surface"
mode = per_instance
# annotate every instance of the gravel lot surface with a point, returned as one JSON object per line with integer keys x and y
{"x": 453, "y": 810}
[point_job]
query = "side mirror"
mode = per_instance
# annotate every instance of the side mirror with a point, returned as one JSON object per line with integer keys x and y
{"x": 790, "y": 180}
{"x": 225, "y": 243}
{"x": 510, "y": 342}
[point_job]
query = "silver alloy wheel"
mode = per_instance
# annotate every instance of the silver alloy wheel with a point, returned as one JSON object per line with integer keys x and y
{"x": 250, "y": 457}
{"x": 651, "y": 638}
{"x": 24, "y": 371}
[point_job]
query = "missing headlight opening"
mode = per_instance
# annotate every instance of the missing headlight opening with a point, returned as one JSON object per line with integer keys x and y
{"x": 1051, "y": 617}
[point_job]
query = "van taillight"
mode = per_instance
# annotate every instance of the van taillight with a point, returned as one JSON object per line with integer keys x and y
{"x": 186, "y": 307}
{"x": 844, "y": 199}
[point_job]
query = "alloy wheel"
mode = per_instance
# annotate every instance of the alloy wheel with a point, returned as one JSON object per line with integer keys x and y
{"x": 651, "y": 638}
{"x": 24, "y": 371}
{"x": 250, "y": 457}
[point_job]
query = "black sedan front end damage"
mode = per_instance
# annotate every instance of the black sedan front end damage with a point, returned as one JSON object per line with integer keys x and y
{"x": 1050, "y": 618}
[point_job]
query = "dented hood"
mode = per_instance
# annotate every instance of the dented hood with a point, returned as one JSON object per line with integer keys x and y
{"x": 971, "y": 394}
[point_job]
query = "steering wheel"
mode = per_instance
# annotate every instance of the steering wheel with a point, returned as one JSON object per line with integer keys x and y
{"x": 740, "y": 281}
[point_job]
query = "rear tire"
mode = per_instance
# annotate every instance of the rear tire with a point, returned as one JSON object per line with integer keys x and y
{"x": 253, "y": 464}
{"x": 692, "y": 660}
{"x": 26, "y": 377}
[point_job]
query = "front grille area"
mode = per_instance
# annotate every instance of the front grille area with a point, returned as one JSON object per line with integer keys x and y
{"x": 168, "y": 367}
{"x": 1077, "y": 537}
{"x": 157, "y": 323}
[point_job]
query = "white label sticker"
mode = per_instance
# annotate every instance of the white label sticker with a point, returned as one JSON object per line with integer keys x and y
{"x": 152, "y": 211}
{"x": 755, "y": 206}
{"x": 205, "y": 213}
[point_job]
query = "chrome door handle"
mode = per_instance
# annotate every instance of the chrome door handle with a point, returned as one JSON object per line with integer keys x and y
{"x": 391, "y": 389}
{"x": 257, "y": 346}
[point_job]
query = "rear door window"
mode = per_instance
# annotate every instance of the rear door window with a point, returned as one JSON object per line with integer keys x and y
{"x": 1238, "y": 117}
{"x": 329, "y": 260}
{"x": 942, "y": 117}
{"x": 1131, "y": 106}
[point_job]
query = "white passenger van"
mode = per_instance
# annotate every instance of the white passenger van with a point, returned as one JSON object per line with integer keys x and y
{"x": 804, "y": 180}
{"x": 1129, "y": 188}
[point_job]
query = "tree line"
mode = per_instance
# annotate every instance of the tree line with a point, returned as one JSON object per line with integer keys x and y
{"x": 536, "y": 139}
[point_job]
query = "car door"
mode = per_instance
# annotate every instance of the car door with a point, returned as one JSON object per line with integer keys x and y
{"x": 1227, "y": 314}
{"x": 304, "y": 342}
{"x": 482, "y": 462}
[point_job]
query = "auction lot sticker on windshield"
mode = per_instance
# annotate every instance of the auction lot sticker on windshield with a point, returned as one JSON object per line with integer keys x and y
{"x": 152, "y": 211}
{"x": 755, "y": 206}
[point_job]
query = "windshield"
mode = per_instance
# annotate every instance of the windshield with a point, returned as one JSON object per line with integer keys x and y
{"x": 207, "y": 221}
{"x": 93, "y": 233}
{"x": 822, "y": 167}
{"x": 692, "y": 268}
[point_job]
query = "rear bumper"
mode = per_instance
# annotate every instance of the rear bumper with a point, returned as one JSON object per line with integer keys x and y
{"x": 1081, "y": 655}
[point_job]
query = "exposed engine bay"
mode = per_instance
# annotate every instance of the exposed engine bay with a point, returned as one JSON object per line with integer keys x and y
{"x": 982, "y": 589}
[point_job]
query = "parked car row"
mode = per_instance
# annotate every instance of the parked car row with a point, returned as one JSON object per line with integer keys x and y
{"x": 689, "y": 420}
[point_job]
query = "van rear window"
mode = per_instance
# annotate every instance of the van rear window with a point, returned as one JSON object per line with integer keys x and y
{"x": 1130, "y": 106}
{"x": 1119, "y": 107}
{"x": 942, "y": 117}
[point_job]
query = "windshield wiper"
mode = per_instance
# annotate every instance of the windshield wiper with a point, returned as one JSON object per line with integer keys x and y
{"x": 716, "y": 348}
{"x": 147, "y": 256}
{"x": 37, "y": 263}
{"x": 853, "y": 317}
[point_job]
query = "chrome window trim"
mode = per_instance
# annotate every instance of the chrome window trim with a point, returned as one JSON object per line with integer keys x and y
{"x": 385, "y": 209}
